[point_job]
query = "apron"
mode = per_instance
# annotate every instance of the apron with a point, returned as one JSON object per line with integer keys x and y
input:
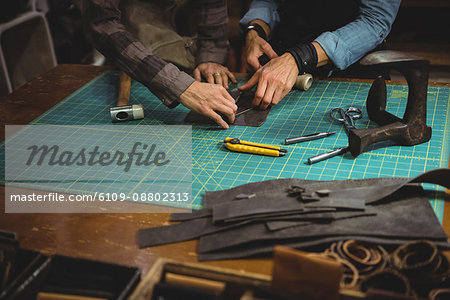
{"x": 165, "y": 27}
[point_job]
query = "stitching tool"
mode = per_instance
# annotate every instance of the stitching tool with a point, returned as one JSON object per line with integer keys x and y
{"x": 253, "y": 148}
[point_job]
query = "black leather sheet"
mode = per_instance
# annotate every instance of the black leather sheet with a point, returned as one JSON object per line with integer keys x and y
{"x": 246, "y": 114}
{"x": 311, "y": 219}
{"x": 409, "y": 215}
{"x": 251, "y": 226}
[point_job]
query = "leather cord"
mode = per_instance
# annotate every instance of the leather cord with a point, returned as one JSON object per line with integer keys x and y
{"x": 424, "y": 265}
{"x": 367, "y": 258}
{"x": 387, "y": 279}
{"x": 439, "y": 294}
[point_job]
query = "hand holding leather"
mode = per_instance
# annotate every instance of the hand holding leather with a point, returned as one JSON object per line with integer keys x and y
{"x": 275, "y": 79}
{"x": 208, "y": 99}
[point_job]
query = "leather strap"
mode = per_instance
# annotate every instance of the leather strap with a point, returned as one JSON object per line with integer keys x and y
{"x": 439, "y": 294}
{"x": 201, "y": 213}
{"x": 424, "y": 265}
{"x": 373, "y": 191}
{"x": 387, "y": 279}
{"x": 185, "y": 231}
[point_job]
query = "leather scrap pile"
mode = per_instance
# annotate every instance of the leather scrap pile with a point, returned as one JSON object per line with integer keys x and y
{"x": 251, "y": 219}
{"x": 414, "y": 269}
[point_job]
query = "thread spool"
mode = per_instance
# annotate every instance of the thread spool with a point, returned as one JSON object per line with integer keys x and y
{"x": 303, "y": 82}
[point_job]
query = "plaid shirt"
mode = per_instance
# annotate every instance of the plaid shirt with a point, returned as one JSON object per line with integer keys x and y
{"x": 102, "y": 19}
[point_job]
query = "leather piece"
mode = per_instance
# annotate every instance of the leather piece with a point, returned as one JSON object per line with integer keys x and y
{"x": 408, "y": 200}
{"x": 181, "y": 232}
{"x": 392, "y": 220}
{"x": 338, "y": 215}
{"x": 246, "y": 114}
{"x": 425, "y": 225}
{"x": 195, "y": 214}
{"x": 376, "y": 192}
{"x": 263, "y": 203}
{"x": 319, "y": 213}
{"x": 170, "y": 234}
{"x": 354, "y": 204}
{"x": 213, "y": 198}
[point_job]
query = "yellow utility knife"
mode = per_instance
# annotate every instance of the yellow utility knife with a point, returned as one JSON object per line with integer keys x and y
{"x": 253, "y": 148}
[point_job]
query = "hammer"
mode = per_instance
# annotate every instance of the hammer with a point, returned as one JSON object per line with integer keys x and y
{"x": 123, "y": 111}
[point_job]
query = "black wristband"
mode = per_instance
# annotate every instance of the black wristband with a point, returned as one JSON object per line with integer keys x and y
{"x": 305, "y": 56}
{"x": 258, "y": 28}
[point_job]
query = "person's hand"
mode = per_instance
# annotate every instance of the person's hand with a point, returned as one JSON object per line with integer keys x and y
{"x": 255, "y": 47}
{"x": 214, "y": 73}
{"x": 275, "y": 79}
{"x": 209, "y": 100}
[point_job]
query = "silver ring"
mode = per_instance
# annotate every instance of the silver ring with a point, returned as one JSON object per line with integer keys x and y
{"x": 216, "y": 74}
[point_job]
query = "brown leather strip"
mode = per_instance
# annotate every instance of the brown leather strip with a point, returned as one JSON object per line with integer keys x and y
{"x": 439, "y": 294}
{"x": 416, "y": 256}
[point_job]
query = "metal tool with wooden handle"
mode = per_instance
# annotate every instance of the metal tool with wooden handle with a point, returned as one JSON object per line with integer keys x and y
{"x": 123, "y": 111}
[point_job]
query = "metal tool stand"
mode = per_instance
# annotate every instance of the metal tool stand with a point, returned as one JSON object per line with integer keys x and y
{"x": 26, "y": 49}
{"x": 410, "y": 130}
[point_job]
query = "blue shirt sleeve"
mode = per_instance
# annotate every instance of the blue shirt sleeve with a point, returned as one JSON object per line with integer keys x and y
{"x": 348, "y": 44}
{"x": 265, "y": 10}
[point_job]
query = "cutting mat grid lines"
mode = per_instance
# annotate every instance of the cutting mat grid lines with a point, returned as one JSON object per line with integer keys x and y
{"x": 299, "y": 113}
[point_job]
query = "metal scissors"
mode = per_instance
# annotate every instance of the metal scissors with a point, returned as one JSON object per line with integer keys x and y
{"x": 347, "y": 116}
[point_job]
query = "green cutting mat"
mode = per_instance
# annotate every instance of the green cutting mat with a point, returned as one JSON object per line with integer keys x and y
{"x": 299, "y": 113}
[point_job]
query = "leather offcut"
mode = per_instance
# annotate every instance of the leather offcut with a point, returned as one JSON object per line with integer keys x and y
{"x": 249, "y": 226}
{"x": 307, "y": 219}
{"x": 262, "y": 204}
{"x": 392, "y": 220}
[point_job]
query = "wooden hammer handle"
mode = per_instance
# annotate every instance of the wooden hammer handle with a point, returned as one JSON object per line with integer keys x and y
{"x": 124, "y": 90}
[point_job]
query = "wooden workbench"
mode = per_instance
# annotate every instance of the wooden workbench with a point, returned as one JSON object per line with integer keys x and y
{"x": 105, "y": 237}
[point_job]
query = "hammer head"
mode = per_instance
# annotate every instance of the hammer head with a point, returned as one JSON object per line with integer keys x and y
{"x": 126, "y": 113}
